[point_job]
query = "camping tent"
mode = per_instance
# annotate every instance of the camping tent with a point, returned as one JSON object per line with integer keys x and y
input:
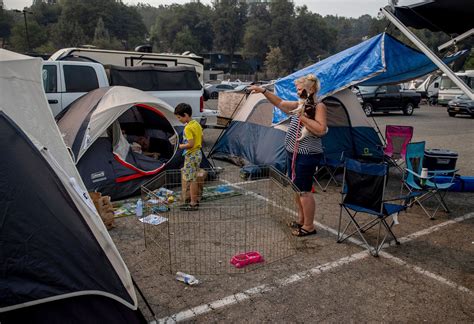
{"x": 379, "y": 60}
{"x": 57, "y": 260}
{"x": 251, "y": 137}
{"x": 99, "y": 127}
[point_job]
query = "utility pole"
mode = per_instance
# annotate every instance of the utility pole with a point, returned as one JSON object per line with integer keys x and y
{"x": 24, "y": 11}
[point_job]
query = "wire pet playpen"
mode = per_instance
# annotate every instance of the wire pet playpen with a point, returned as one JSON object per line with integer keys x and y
{"x": 237, "y": 214}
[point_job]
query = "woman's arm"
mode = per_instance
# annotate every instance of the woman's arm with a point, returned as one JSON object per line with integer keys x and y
{"x": 285, "y": 106}
{"x": 318, "y": 125}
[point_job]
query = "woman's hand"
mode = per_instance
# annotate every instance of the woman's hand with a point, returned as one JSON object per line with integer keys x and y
{"x": 255, "y": 88}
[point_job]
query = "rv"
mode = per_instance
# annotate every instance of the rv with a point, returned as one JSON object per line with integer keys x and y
{"x": 430, "y": 87}
{"x": 129, "y": 58}
{"x": 448, "y": 90}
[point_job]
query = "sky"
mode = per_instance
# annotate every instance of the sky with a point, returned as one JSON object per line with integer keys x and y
{"x": 344, "y": 8}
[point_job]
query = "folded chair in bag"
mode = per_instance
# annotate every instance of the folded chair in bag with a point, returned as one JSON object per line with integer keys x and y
{"x": 423, "y": 188}
{"x": 363, "y": 193}
{"x": 330, "y": 166}
{"x": 397, "y": 138}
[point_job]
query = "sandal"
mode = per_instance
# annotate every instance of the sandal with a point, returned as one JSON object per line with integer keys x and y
{"x": 189, "y": 207}
{"x": 300, "y": 232}
{"x": 294, "y": 224}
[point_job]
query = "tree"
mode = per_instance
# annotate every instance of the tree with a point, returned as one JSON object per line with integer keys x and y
{"x": 36, "y": 35}
{"x": 275, "y": 63}
{"x": 191, "y": 19}
{"x": 6, "y": 22}
{"x": 282, "y": 16}
{"x": 255, "y": 42}
{"x": 312, "y": 39}
{"x": 68, "y": 34}
{"x": 185, "y": 41}
{"x": 228, "y": 26}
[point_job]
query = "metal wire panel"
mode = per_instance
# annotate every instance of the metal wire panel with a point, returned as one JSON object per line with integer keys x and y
{"x": 237, "y": 214}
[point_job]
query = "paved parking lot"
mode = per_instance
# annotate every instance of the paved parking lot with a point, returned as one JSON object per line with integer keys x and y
{"x": 429, "y": 277}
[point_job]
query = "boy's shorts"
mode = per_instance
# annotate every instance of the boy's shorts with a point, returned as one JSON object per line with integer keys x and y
{"x": 191, "y": 165}
{"x": 305, "y": 166}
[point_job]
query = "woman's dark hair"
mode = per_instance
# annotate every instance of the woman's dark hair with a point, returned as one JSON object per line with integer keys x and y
{"x": 182, "y": 109}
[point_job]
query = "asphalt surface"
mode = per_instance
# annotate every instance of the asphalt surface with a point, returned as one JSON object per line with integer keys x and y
{"x": 428, "y": 278}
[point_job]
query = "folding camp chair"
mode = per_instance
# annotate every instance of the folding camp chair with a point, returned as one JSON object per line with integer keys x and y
{"x": 424, "y": 188}
{"x": 363, "y": 193}
{"x": 397, "y": 138}
{"x": 330, "y": 167}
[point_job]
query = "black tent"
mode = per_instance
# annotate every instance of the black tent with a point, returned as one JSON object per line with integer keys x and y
{"x": 449, "y": 16}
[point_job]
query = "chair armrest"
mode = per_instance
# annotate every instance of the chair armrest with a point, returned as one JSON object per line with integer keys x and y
{"x": 418, "y": 175}
{"x": 437, "y": 172}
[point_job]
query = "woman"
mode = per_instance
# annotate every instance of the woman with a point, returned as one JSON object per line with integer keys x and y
{"x": 304, "y": 153}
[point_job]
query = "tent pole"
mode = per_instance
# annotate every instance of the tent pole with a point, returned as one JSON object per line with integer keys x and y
{"x": 456, "y": 39}
{"x": 379, "y": 132}
{"x": 436, "y": 60}
{"x": 222, "y": 130}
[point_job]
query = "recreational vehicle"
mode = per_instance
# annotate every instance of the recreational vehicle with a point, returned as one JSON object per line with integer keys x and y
{"x": 129, "y": 58}
{"x": 448, "y": 90}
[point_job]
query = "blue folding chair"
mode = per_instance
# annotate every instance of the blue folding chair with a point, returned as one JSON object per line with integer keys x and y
{"x": 423, "y": 188}
{"x": 363, "y": 193}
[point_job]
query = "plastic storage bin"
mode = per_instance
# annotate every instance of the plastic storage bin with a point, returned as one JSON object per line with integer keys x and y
{"x": 439, "y": 159}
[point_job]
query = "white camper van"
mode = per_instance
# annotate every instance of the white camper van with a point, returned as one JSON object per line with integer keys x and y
{"x": 130, "y": 58}
{"x": 448, "y": 90}
{"x": 430, "y": 87}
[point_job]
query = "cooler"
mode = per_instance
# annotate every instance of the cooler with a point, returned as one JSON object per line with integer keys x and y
{"x": 440, "y": 159}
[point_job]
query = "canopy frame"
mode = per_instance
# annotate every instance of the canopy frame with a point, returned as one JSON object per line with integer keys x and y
{"x": 423, "y": 48}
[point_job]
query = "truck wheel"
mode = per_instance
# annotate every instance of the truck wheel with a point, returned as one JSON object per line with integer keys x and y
{"x": 408, "y": 110}
{"x": 451, "y": 114}
{"x": 368, "y": 109}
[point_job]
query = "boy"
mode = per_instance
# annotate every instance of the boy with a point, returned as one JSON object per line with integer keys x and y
{"x": 192, "y": 141}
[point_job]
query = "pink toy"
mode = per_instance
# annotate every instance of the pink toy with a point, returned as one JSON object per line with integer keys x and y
{"x": 243, "y": 259}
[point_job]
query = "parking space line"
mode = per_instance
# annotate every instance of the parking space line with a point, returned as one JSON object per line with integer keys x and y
{"x": 280, "y": 283}
{"x": 426, "y": 273}
{"x": 260, "y": 290}
{"x": 435, "y": 228}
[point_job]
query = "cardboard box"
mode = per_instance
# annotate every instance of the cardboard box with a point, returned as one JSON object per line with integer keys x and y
{"x": 229, "y": 102}
{"x": 104, "y": 208}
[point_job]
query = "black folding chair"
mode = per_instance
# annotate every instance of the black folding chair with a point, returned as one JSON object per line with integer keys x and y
{"x": 363, "y": 193}
{"x": 330, "y": 167}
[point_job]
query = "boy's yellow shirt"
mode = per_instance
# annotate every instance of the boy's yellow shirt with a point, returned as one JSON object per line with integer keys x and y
{"x": 193, "y": 130}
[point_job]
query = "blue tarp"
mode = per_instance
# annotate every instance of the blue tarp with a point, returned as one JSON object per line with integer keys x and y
{"x": 376, "y": 61}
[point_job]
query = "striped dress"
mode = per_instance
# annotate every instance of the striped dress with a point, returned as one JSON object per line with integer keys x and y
{"x": 311, "y": 144}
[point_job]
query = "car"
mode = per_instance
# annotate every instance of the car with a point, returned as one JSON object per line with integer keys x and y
{"x": 462, "y": 105}
{"x": 388, "y": 98}
{"x": 239, "y": 88}
{"x": 214, "y": 89}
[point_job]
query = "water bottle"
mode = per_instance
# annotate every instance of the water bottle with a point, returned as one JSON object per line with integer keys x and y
{"x": 139, "y": 208}
{"x": 424, "y": 175}
{"x": 186, "y": 278}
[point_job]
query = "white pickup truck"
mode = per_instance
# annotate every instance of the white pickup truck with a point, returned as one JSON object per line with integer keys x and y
{"x": 65, "y": 81}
